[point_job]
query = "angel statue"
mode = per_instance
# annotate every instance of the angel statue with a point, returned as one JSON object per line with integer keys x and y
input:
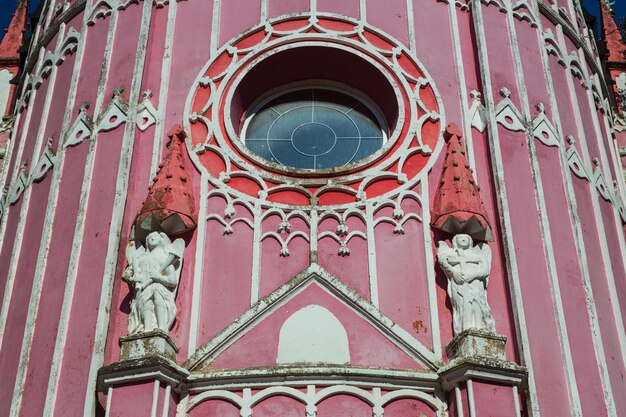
{"x": 467, "y": 268}
{"x": 153, "y": 272}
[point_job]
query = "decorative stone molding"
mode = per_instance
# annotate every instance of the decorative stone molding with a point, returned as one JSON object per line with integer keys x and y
{"x": 142, "y": 369}
{"x": 477, "y": 111}
{"x": 63, "y": 49}
{"x": 507, "y": 113}
{"x": 543, "y": 129}
{"x": 6, "y": 124}
{"x": 575, "y": 161}
{"x": 115, "y": 114}
{"x": 46, "y": 162}
{"x": 313, "y": 275}
{"x": 147, "y": 114}
{"x": 482, "y": 369}
{"x": 619, "y": 122}
{"x": 416, "y": 142}
{"x": 101, "y": 10}
{"x": 18, "y": 187}
{"x": 81, "y": 129}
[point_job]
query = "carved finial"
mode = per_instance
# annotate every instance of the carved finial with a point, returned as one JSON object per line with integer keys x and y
{"x": 476, "y": 95}
{"x": 505, "y": 92}
{"x": 452, "y": 130}
{"x": 540, "y": 107}
{"x": 596, "y": 161}
{"x": 118, "y": 92}
{"x": 570, "y": 139}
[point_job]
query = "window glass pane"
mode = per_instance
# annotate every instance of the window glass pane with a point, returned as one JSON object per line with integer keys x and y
{"x": 313, "y": 129}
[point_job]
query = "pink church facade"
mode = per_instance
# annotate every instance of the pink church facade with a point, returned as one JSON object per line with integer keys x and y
{"x": 301, "y": 283}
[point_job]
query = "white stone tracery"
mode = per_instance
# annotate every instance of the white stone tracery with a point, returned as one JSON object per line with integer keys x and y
{"x": 314, "y": 395}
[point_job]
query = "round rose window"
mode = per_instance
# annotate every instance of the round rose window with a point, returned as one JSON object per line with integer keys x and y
{"x": 314, "y": 128}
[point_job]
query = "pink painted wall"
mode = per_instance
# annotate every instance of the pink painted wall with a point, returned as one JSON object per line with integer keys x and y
{"x": 224, "y": 262}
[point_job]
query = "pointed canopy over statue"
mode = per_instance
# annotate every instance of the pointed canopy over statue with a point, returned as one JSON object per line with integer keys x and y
{"x": 458, "y": 208}
{"x": 14, "y": 37}
{"x": 169, "y": 207}
{"x": 612, "y": 36}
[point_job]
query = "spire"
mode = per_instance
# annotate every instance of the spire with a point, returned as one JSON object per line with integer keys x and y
{"x": 169, "y": 207}
{"x": 14, "y": 36}
{"x": 458, "y": 207}
{"x": 612, "y": 36}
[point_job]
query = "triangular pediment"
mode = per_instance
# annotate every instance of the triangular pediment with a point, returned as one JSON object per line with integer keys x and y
{"x": 259, "y": 326}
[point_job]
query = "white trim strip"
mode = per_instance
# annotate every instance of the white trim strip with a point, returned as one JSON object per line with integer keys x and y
{"x": 572, "y": 387}
{"x": 166, "y": 69}
{"x": 21, "y": 225}
{"x": 470, "y": 398}
{"x": 592, "y": 312}
{"x": 199, "y": 265}
{"x": 155, "y": 396}
{"x": 615, "y": 302}
{"x": 166, "y": 401}
{"x": 255, "y": 285}
{"x": 463, "y": 95}
{"x": 518, "y": 411}
{"x": 371, "y": 256}
{"x": 459, "y": 401}
{"x": 44, "y": 245}
{"x": 410, "y": 21}
{"x": 503, "y": 209}
{"x": 68, "y": 296}
{"x": 431, "y": 281}
{"x": 107, "y": 412}
{"x": 215, "y": 27}
{"x": 121, "y": 187}
{"x": 263, "y": 11}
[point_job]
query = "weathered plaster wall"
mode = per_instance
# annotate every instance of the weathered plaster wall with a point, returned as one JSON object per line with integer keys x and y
{"x": 558, "y": 280}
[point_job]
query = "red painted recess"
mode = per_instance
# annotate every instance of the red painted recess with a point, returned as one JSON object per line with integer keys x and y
{"x": 458, "y": 207}
{"x": 263, "y": 70}
{"x": 169, "y": 206}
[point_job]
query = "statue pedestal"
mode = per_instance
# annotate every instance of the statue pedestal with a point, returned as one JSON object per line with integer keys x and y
{"x": 479, "y": 378}
{"x": 474, "y": 343}
{"x": 147, "y": 380}
{"x": 153, "y": 343}
{"x": 143, "y": 387}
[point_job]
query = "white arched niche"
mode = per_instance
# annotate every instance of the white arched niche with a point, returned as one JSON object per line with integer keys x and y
{"x": 313, "y": 335}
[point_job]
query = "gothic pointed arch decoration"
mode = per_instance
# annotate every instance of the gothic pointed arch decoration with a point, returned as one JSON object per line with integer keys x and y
{"x": 205, "y": 356}
{"x": 222, "y": 93}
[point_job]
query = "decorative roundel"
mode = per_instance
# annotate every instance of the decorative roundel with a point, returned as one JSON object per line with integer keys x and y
{"x": 314, "y": 110}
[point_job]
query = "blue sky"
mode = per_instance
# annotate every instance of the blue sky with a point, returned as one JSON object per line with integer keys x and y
{"x": 7, "y": 7}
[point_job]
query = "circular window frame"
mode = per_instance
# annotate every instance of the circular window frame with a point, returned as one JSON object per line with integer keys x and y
{"x": 237, "y": 76}
{"x": 232, "y": 133}
{"x": 309, "y": 85}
